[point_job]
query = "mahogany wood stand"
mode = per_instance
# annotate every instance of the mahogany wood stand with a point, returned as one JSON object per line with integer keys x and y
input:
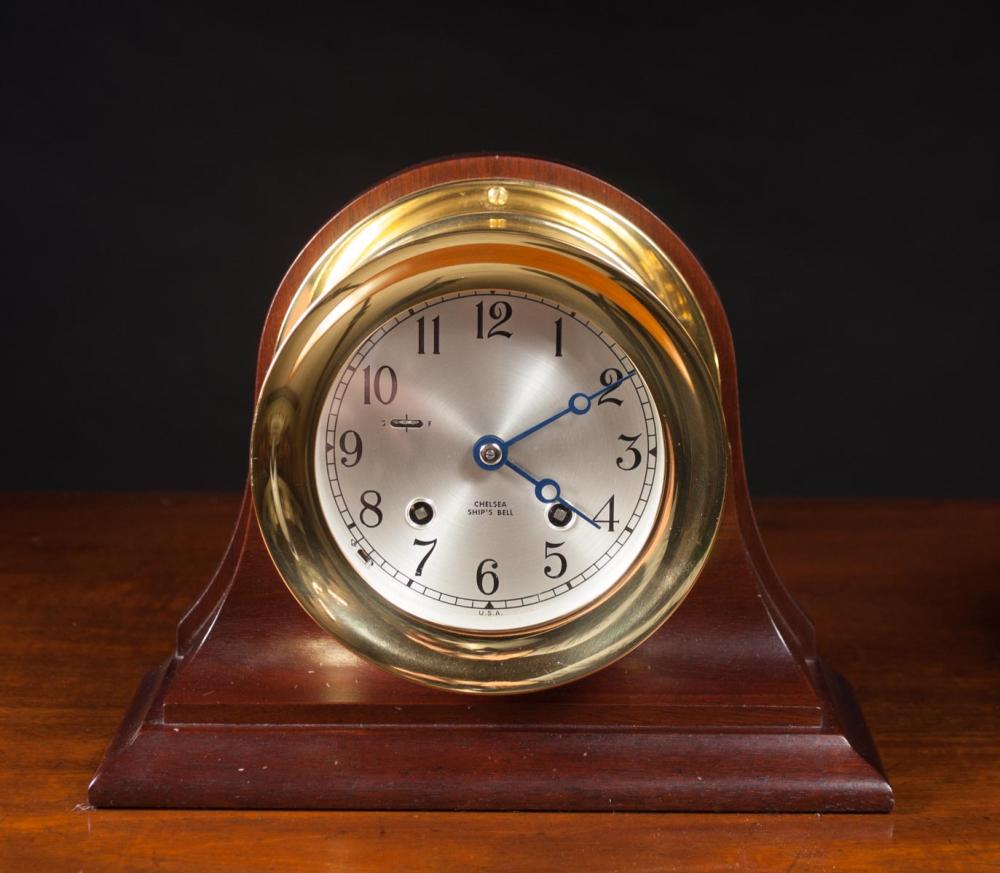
{"x": 727, "y": 707}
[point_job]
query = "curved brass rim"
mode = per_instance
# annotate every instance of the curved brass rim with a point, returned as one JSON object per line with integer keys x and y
{"x": 515, "y": 205}
{"x": 285, "y": 491}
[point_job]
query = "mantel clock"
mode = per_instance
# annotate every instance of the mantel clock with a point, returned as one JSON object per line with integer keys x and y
{"x": 496, "y": 550}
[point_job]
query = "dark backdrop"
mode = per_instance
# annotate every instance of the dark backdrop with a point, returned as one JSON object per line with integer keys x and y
{"x": 837, "y": 176}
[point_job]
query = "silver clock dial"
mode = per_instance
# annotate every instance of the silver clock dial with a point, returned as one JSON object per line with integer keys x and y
{"x": 490, "y": 460}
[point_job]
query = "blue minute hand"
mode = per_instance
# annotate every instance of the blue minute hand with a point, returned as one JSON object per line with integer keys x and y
{"x": 578, "y": 404}
{"x": 490, "y": 452}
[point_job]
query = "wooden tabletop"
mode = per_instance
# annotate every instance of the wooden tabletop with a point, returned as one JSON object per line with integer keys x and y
{"x": 904, "y": 594}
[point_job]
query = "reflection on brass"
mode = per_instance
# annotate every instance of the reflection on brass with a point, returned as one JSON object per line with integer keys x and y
{"x": 495, "y": 233}
{"x": 550, "y": 213}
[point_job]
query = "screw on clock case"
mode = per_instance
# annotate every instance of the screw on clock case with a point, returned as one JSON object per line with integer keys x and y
{"x": 727, "y": 707}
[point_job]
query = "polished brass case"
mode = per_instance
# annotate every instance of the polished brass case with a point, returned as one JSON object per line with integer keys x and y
{"x": 520, "y": 236}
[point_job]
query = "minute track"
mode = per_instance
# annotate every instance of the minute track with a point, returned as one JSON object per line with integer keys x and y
{"x": 372, "y": 539}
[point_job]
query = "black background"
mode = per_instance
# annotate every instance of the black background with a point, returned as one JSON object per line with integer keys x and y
{"x": 836, "y": 174}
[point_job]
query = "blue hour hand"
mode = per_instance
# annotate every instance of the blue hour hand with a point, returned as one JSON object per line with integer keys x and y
{"x": 490, "y": 453}
{"x": 547, "y": 491}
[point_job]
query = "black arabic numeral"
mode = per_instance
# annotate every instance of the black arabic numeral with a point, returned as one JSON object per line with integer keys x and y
{"x": 500, "y": 311}
{"x": 609, "y": 377}
{"x": 559, "y": 353}
{"x": 435, "y": 335}
{"x": 636, "y": 455}
{"x": 355, "y": 448}
{"x": 487, "y": 578}
{"x": 423, "y": 560}
{"x": 382, "y": 375}
{"x": 610, "y": 521}
{"x": 371, "y": 505}
{"x": 549, "y": 553}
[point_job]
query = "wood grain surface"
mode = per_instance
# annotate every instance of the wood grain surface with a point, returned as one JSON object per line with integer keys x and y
{"x": 904, "y": 596}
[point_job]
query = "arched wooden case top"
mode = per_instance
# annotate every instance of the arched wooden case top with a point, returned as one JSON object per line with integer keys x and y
{"x": 726, "y": 707}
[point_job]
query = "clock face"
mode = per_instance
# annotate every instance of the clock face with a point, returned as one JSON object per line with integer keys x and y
{"x": 490, "y": 460}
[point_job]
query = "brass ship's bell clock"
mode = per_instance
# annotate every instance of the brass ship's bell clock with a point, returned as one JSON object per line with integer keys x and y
{"x": 495, "y": 448}
{"x": 489, "y": 453}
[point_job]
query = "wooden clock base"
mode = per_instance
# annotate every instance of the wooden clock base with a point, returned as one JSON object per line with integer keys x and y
{"x": 726, "y": 707}
{"x": 264, "y": 710}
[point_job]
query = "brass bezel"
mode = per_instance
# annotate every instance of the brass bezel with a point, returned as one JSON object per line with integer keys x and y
{"x": 517, "y": 250}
